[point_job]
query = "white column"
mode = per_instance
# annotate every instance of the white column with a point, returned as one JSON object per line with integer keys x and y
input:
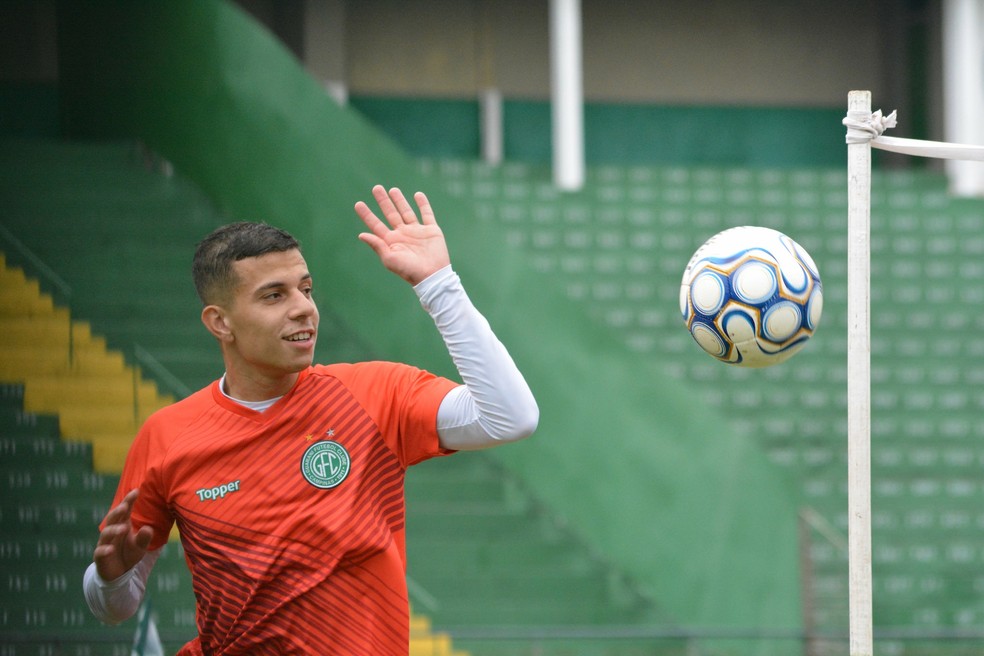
{"x": 567, "y": 94}
{"x": 490, "y": 115}
{"x": 963, "y": 89}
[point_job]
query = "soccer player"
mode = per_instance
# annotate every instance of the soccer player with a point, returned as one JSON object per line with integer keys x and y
{"x": 285, "y": 478}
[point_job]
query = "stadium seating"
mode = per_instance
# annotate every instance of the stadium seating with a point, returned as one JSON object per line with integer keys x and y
{"x": 486, "y": 553}
{"x": 621, "y": 245}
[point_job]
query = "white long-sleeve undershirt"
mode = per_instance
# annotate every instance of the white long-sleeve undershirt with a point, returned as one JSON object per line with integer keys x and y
{"x": 493, "y": 406}
{"x": 116, "y": 600}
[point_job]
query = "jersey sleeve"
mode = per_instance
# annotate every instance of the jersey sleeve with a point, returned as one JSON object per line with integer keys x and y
{"x": 418, "y": 439}
{"x": 403, "y": 400}
{"x": 142, "y": 469}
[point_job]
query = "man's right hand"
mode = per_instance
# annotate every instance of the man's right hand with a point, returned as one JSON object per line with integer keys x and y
{"x": 120, "y": 547}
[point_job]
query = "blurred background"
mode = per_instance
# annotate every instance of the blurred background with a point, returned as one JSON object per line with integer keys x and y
{"x": 669, "y": 504}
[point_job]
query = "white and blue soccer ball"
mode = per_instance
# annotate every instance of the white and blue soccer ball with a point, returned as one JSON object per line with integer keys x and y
{"x": 751, "y": 296}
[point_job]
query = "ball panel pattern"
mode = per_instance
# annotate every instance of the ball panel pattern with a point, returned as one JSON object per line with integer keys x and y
{"x": 751, "y": 296}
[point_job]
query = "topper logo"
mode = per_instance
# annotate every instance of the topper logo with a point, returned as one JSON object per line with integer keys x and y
{"x": 217, "y": 492}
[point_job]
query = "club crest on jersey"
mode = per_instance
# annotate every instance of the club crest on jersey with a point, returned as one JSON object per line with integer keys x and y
{"x": 325, "y": 464}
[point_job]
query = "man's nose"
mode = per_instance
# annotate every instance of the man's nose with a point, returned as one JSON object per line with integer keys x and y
{"x": 303, "y": 304}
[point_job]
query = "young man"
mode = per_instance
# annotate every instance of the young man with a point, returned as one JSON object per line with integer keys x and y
{"x": 285, "y": 478}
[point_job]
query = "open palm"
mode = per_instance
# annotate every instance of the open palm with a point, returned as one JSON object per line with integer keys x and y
{"x": 412, "y": 249}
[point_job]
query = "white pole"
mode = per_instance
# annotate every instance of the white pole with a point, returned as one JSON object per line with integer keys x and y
{"x": 567, "y": 96}
{"x": 963, "y": 89}
{"x": 490, "y": 115}
{"x": 859, "y": 384}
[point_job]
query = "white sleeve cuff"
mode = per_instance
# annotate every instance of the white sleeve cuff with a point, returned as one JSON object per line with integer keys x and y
{"x": 117, "y": 600}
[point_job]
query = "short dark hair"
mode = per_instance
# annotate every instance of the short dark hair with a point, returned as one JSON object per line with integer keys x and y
{"x": 212, "y": 267}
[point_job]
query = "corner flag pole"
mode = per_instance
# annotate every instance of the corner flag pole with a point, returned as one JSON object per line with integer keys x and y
{"x": 864, "y": 132}
{"x": 859, "y": 383}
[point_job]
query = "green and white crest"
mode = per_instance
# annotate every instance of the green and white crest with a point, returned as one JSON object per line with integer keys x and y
{"x": 325, "y": 464}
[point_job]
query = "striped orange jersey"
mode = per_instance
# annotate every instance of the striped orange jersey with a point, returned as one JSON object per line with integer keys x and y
{"x": 292, "y": 520}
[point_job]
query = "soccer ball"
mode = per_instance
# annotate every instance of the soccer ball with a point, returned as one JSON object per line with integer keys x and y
{"x": 751, "y": 296}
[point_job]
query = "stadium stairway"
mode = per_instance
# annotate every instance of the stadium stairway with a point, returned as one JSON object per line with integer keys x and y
{"x": 66, "y": 370}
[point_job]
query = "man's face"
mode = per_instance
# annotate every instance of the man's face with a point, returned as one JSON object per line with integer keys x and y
{"x": 272, "y": 318}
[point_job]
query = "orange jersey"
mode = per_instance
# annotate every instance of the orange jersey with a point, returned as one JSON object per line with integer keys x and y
{"x": 292, "y": 520}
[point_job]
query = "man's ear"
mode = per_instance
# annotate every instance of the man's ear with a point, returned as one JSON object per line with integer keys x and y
{"x": 214, "y": 318}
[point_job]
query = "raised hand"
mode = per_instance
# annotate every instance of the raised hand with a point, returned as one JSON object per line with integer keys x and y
{"x": 409, "y": 248}
{"x": 120, "y": 547}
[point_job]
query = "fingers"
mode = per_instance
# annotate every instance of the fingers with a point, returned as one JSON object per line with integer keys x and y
{"x": 143, "y": 537}
{"x": 407, "y": 215}
{"x": 386, "y": 206}
{"x": 426, "y": 212}
{"x": 370, "y": 219}
{"x": 395, "y": 209}
{"x": 393, "y": 205}
{"x": 121, "y": 513}
{"x": 375, "y": 243}
{"x": 110, "y": 535}
{"x": 119, "y": 547}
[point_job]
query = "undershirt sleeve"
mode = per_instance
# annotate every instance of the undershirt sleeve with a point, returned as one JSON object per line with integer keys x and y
{"x": 114, "y": 601}
{"x": 495, "y": 404}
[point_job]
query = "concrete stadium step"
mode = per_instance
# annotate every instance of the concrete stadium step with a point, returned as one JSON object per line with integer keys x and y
{"x": 86, "y": 421}
{"x": 504, "y": 527}
{"x": 53, "y": 517}
{"x": 17, "y": 423}
{"x": 46, "y": 393}
{"x": 43, "y": 453}
{"x": 471, "y": 610}
{"x": 45, "y": 551}
{"x": 34, "y": 515}
{"x": 150, "y": 333}
{"x": 11, "y": 396}
{"x": 41, "y": 483}
{"x": 122, "y": 305}
{"x": 478, "y": 489}
{"x": 17, "y": 360}
{"x": 109, "y": 451}
{"x": 24, "y": 300}
{"x": 48, "y": 329}
{"x": 125, "y": 254}
{"x": 469, "y": 556}
{"x": 67, "y": 623}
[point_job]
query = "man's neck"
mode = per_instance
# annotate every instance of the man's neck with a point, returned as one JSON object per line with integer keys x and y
{"x": 251, "y": 390}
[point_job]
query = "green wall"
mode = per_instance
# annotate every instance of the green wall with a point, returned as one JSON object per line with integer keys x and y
{"x": 685, "y": 505}
{"x": 622, "y": 133}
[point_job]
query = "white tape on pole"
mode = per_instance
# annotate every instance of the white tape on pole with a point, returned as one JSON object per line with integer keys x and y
{"x": 859, "y": 378}
{"x": 867, "y": 127}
